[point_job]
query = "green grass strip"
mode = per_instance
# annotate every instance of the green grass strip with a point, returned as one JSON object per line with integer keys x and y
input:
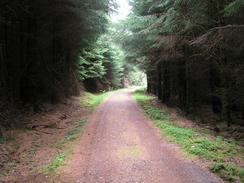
{"x": 59, "y": 160}
{"x": 72, "y": 134}
{"x": 92, "y": 101}
{"x": 215, "y": 149}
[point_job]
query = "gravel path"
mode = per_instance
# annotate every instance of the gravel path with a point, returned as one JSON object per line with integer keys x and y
{"x": 120, "y": 145}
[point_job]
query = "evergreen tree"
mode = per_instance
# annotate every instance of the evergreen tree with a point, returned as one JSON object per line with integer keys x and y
{"x": 190, "y": 52}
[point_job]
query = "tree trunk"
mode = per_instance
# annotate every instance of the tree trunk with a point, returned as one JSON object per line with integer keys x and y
{"x": 160, "y": 81}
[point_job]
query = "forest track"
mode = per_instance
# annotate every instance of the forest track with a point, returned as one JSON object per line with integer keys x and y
{"x": 120, "y": 145}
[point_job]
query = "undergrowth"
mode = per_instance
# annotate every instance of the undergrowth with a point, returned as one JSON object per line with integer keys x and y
{"x": 217, "y": 150}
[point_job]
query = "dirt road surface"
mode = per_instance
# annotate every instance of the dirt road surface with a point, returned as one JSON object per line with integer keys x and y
{"x": 120, "y": 145}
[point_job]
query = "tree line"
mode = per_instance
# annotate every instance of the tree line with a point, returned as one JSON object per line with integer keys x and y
{"x": 192, "y": 52}
{"x": 48, "y": 47}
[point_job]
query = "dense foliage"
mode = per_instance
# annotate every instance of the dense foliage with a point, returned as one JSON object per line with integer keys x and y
{"x": 101, "y": 65}
{"x": 192, "y": 52}
{"x": 41, "y": 41}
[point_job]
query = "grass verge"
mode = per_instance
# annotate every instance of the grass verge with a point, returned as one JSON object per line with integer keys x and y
{"x": 222, "y": 154}
{"x": 59, "y": 160}
{"x": 56, "y": 163}
{"x": 91, "y": 101}
{"x": 72, "y": 134}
